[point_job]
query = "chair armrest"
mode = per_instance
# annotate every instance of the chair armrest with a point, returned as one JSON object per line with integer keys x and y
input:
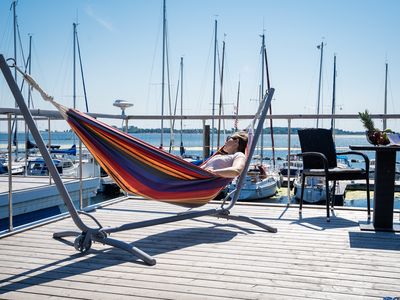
{"x": 366, "y": 158}
{"x": 318, "y": 155}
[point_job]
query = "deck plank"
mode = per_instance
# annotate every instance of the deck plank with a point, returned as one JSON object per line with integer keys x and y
{"x": 207, "y": 258}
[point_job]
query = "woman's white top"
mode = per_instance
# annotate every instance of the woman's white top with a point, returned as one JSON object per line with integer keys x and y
{"x": 220, "y": 161}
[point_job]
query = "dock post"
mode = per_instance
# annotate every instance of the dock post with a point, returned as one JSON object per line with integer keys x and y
{"x": 206, "y": 141}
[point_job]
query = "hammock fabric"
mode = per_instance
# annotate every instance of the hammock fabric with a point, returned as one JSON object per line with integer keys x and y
{"x": 141, "y": 168}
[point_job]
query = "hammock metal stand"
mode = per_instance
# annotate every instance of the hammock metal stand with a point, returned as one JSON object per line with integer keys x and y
{"x": 84, "y": 238}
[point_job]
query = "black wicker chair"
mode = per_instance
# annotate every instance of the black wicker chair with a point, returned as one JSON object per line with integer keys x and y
{"x": 319, "y": 159}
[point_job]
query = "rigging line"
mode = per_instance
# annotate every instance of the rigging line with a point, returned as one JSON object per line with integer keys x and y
{"x": 29, "y": 66}
{"x": 152, "y": 69}
{"x": 181, "y": 148}
{"x": 17, "y": 33}
{"x": 162, "y": 75}
{"x": 6, "y": 33}
{"x": 271, "y": 126}
{"x": 24, "y": 61}
{"x": 204, "y": 77}
{"x": 319, "y": 100}
{"x": 20, "y": 44}
{"x": 74, "y": 25}
{"x": 262, "y": 93}
{"x": 171, "y": 123}
{"x": 220, "y": 92}
{"x": 176, "y": 102}
{"x": 82, "y": 74}
{"x": 236, "y": 122}
{"x": 38, "y": 66}
{"x": 13, "y": 6}
{"x": 213, "y": 91}
{"x": 176, "y": 97}
{"x": 391, "y": 91}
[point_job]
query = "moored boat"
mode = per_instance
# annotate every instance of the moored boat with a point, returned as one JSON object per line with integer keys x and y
{"x": 259, "y": 184}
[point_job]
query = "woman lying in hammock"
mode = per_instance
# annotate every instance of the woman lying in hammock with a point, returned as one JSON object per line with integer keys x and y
{"x": 230, "y": 160}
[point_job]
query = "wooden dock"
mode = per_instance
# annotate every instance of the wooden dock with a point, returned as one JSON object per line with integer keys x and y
{"x": 32, "y": 193}
{"x": 208, "y": 258}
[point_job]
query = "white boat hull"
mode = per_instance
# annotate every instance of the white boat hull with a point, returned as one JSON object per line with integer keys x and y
{"x": 257, "y": 190}
{"x": 314, "y": 190}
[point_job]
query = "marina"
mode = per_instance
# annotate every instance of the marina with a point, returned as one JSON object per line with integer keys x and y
{"x": 204, "y": 257}
{"x": 123, "y": 179}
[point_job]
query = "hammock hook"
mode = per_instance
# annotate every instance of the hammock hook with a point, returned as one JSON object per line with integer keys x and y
{"x": 13, "y": 64}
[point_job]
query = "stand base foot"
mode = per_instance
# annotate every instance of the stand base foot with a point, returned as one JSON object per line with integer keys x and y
{"x": 62, "y": 234}
{"x": 247, "y": 220}
{"x": 108, "y": 241}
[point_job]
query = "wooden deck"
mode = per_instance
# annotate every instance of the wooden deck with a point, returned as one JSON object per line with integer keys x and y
{"x": 207, "y": 258}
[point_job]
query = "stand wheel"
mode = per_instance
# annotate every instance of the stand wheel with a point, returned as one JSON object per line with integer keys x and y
{"x": 80, "y": 244}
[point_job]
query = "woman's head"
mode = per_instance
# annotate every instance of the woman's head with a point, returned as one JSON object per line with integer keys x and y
{"x": 237, "y": 142}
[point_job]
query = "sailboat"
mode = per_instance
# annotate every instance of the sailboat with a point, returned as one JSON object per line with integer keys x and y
{"x": 65, "y": 159}
{"x": 372, "y": 161}
{"x": 262, "y": 181}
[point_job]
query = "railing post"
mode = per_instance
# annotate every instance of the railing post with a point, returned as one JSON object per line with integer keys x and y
{"x": 80, "y": 177}
{"x": 288, "y": 159}
{"x": 10, "y": 202}
{"x": 26, "y": 150}
{"x": 206, "y": 140}
{"x": 49, "y": 145}
{"x": 126, "y": 130}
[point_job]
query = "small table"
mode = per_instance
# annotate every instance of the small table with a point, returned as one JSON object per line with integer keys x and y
{"x": 385, "y": 167}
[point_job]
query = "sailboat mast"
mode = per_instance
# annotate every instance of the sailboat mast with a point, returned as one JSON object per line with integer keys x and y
{"x": 74, "y": 66}
{"x": 14, "y": 4}
{"x": 82, "y": 73}
{"x": 29, "y": 65}
{"x": 29, "y": 61}
{"x": 271, "y": 126}
{"x": 333, "y": 95}
{"x": 220, "y": 94}
{"x": 385, "y": 103}
{"x": 237, "y": 107}
{"x": 214, "y": 79}
{"x": 15, "y": 139}
{"x": 163, "y": 74}
{"x": 320, "y": 47}
{"x": 181, "y": 105}
{"x": 261, "y": 93}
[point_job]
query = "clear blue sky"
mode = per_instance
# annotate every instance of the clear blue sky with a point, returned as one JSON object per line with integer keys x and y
{"x": 121, "y": 50}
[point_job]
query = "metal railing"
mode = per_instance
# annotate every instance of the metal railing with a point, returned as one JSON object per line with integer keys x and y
{"x": 9, "y": 114}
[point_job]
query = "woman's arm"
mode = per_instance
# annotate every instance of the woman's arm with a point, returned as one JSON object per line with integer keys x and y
{"x": 231, "y": 172}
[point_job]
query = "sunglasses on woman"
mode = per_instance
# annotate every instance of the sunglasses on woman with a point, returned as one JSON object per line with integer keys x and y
{"x": 231, "y": 137}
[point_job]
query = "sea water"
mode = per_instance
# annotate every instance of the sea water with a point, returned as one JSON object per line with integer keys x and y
{"x": 193, "y": 144}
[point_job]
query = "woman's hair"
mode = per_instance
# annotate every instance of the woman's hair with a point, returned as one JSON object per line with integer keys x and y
{"x": 243, "y": 138}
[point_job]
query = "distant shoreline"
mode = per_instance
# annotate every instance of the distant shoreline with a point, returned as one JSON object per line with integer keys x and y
{"x": 277, "y": 130}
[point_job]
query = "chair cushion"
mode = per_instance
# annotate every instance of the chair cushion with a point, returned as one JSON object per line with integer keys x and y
{"x": 338, "y": 173}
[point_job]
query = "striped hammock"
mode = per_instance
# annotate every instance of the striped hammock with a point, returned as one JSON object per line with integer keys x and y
{"x": 140, "y": 168}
